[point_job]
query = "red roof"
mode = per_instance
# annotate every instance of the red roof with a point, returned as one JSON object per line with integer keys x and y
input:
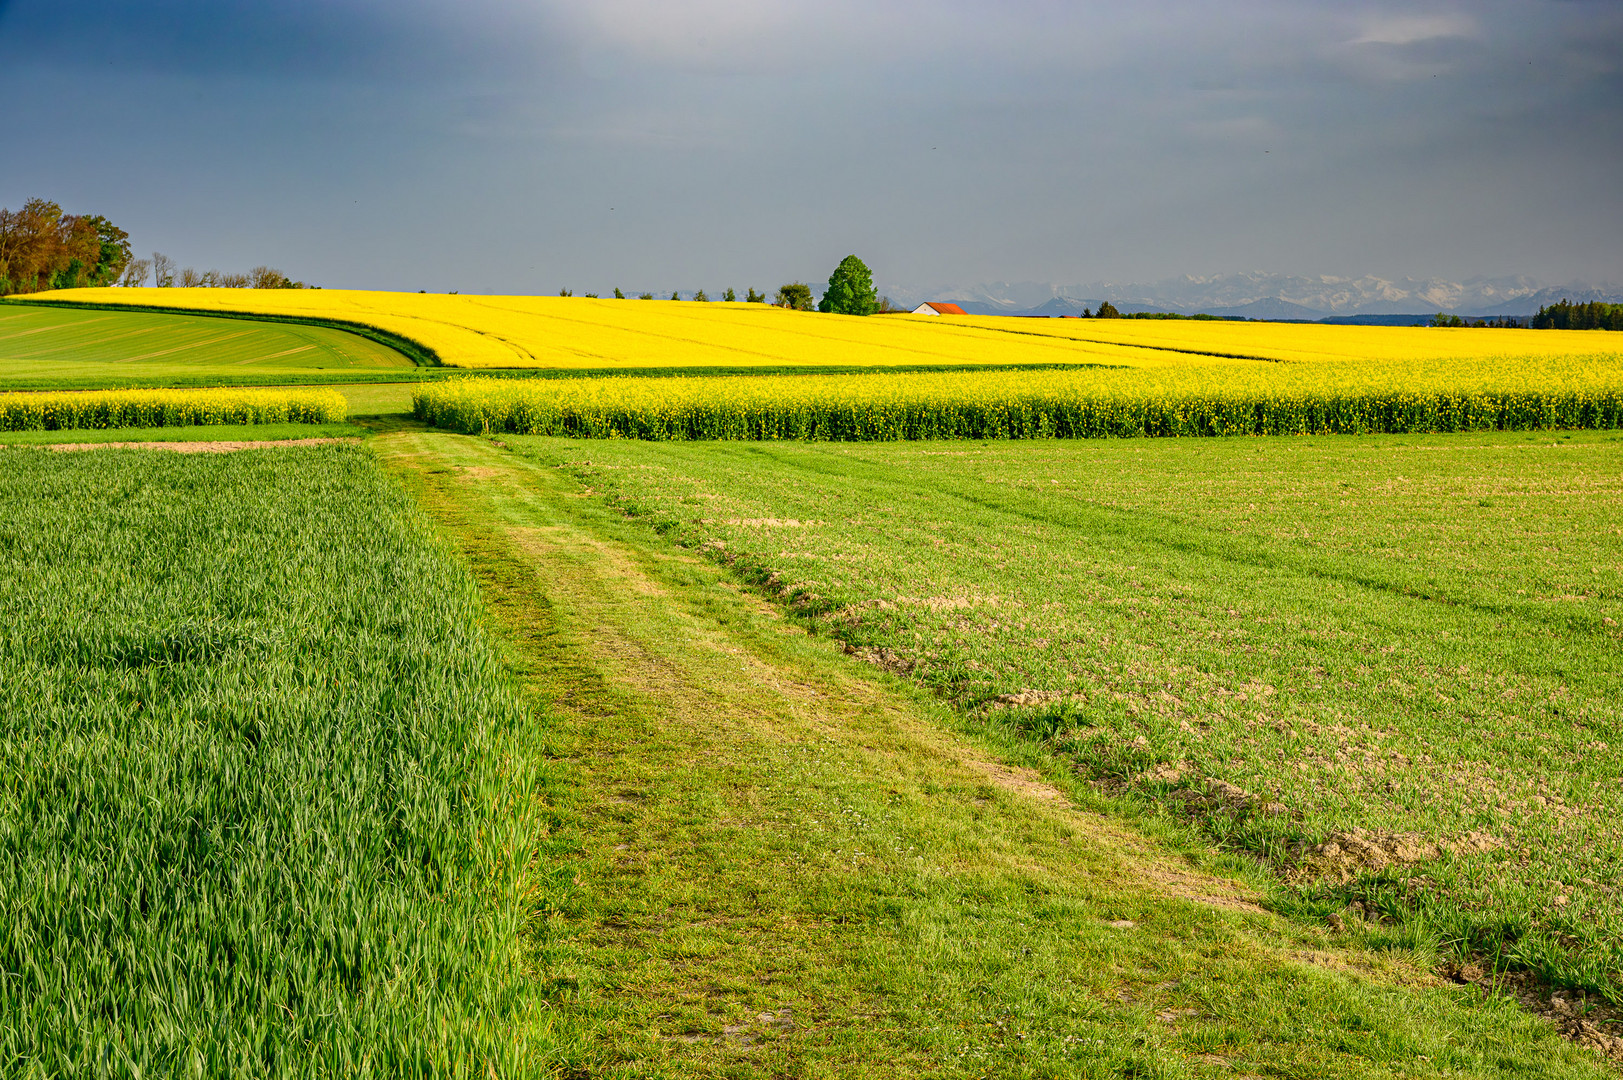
{"x": 946, "y": 309}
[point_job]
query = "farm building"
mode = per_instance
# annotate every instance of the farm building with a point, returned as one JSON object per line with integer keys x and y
{"x": 939, "y": 309}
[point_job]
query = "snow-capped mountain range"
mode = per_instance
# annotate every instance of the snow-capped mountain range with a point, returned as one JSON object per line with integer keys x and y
{"x": 1268, "y": 296}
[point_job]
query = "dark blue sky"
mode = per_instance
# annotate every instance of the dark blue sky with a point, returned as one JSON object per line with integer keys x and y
{"x": 520, "y": 145}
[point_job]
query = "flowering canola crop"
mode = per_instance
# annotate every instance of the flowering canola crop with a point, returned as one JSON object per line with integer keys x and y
{"x": 585, "y": 334}
{"x": 168, "y": 408}
{"x": 1194, "y": 400}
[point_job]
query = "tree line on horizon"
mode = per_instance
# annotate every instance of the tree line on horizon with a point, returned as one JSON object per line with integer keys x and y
{"x": 850, "y": 292}
{"x": 164, "y": 274}
{"x": 44, "y": 248}
{"x": 1595, "y": 315}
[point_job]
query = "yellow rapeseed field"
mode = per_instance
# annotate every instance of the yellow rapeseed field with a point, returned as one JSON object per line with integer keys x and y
{"x": 1261, "y": 398}
{"x": 85, "y": 410}
{"x": 579, "y": 333}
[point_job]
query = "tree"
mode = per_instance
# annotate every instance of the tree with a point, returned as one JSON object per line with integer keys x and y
{"x": 28, "y": 245}
{"x": 135, "y": 274}
{"x": 850, "y": 289}
{"x": 646, "y": 296}
{"x": 796, "y": 295}
{"x": 700, "y": 297}
{"x": 1107, "y": 310}
{"x": 675, "y": 295}
{"x": 267, "y": 277}
{"x": 163, "y": 270}
{"x": 190, "y": 279}
{"x": 113, "y": 249}
{"x": 565, "y": 292}
{"x": 729, "y": 296}
{"x": 618, "y": 295}
{"x": 755, "y": 297}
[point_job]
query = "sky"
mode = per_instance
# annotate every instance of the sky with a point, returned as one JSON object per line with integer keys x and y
{"x": 521, "y": 146}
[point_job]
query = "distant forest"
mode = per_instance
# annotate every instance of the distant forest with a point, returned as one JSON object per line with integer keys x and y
{"x": 1591, "y": 316}
{"x": 43, "y": 248}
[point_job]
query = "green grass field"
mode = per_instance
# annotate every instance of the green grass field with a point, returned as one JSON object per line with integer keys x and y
{"x": 792, "y": 864}
{"x": 67, "y": 348}
{"x": 195, "y": 433}
{"x": 268, "y": 808}
{"x": 1387, "y": 667}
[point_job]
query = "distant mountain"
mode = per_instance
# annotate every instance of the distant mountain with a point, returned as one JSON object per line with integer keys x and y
{"x": 1268, "y": 296}
{"x": 1578, "y": 294}
{"x": 1060, "y": 305}
{"x": 1272, "y": 308}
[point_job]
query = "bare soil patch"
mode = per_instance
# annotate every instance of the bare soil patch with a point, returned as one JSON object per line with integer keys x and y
{"x": 1586, "y": 1020}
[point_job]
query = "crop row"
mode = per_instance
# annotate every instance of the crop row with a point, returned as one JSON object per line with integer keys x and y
{"x": 168, "y": 408}
{"x": 986, "y": 405}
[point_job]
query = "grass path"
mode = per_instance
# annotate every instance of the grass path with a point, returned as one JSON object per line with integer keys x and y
{"x": 791, "y": 867}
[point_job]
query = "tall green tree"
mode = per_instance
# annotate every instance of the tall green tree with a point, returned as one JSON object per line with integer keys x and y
{"x": 754, "y": 297}
{"x": 850, "y": 289}
{"x": 113, "y": 251}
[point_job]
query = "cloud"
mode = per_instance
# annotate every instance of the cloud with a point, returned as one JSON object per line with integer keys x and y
{"x": 1414, "y": 29}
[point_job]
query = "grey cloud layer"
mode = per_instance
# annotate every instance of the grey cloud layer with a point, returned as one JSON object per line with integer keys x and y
{"x": 946, "y": 141}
